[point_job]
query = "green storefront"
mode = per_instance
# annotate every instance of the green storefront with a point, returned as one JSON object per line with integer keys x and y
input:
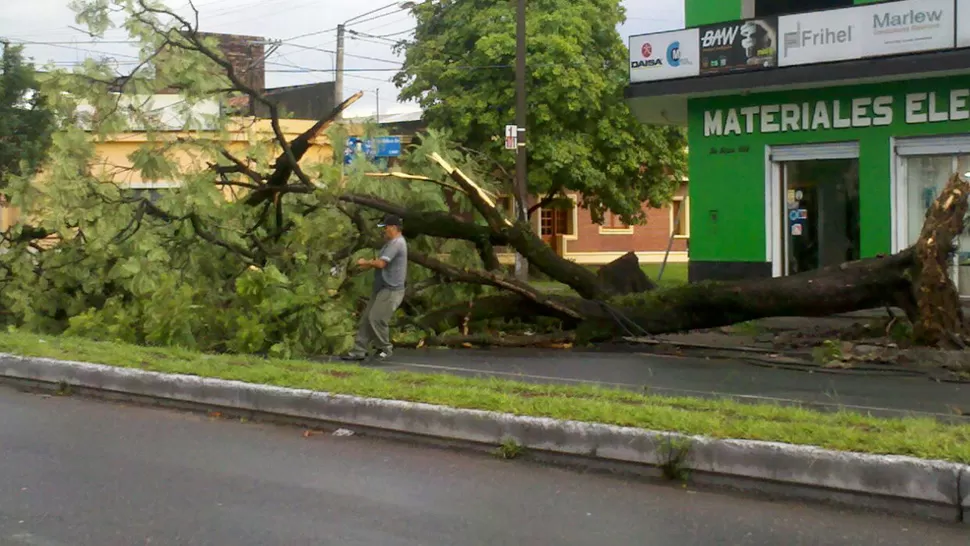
{"x": 815, "y": 163}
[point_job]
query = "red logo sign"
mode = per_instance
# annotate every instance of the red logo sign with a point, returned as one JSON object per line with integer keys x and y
{"x": 646, "y": 50}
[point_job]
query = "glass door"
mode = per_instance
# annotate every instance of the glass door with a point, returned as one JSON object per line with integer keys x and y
{"x": 820, "y": 219}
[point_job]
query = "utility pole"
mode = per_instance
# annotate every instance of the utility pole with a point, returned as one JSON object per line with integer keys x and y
{"x": 338, "y": 80}
{"x": 378, "y": 91}
{"x": 521, "y": 187}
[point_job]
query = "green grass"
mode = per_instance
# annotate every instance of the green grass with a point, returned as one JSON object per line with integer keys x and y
{"x": 920, "y": 437}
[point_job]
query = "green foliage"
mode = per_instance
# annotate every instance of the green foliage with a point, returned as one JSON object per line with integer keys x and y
{"x": 581, "y": 134}
{"x": 184, "y": 266}
{"x": 26, "y": 123}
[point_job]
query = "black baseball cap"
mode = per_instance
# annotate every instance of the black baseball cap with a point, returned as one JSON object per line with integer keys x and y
{"x": 390, "y": 220}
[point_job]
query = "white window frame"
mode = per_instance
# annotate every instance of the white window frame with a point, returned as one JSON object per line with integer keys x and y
{"x": 775, "y": 202}
{"x": 903, "y": 149}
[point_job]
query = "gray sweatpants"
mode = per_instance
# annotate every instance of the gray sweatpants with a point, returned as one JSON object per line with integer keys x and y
{"x": 374, "y": 321}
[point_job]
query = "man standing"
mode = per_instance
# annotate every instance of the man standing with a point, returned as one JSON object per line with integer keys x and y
{"x": 390, "y": 274}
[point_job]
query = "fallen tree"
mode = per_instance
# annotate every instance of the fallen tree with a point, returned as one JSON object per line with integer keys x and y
{"x": 914, "y": 280}
{"x": 266, "y": 231}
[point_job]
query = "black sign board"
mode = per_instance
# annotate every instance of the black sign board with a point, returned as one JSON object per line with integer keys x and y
{"x": 739, "y": 45}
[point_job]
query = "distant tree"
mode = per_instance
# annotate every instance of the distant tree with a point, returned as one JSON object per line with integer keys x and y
{"x": 26, "y": 124}
{"x": 582, "y": 137}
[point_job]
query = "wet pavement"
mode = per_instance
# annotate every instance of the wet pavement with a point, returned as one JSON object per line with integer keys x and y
{"x": 77, "y": 472}
{"x": 680, "y": 376}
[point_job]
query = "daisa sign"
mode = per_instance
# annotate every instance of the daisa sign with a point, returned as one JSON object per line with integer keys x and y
{"x": 890, "y": 28}
{"x": 664, "y": 56}
{"x": 866, "y": 31}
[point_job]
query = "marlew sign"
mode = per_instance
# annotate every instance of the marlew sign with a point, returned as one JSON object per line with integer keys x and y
{"x": 820, "y": 115}
{"x": 866, "y": 31}
{"x": 911, "y": 20}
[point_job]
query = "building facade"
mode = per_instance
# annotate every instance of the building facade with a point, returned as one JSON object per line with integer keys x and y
{"x": 816, "y": 137}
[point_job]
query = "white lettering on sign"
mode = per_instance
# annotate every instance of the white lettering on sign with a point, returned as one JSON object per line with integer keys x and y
{"x": 927, "y": 107}
{"x": 836, "y": 114}
{"x": 721, "y": 37}
{"x": 892, "y": 21}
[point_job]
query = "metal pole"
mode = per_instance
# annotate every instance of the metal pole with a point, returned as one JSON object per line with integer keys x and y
{"x": 521, "y": 186}
{"x": 338, "y": 86}
{"x": 378, "y": 90}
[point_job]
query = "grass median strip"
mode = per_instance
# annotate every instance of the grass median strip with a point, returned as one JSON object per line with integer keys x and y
{"x": 849, "y": 431}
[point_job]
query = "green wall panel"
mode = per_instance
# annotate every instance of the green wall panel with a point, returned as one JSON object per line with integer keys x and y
{"x": 704, "y": 12}
{"x": 732, "y": 183}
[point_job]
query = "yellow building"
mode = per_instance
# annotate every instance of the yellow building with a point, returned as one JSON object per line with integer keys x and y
{"x": 113, "y": 155}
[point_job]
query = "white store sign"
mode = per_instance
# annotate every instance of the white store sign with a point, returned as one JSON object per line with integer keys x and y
{"x": 866, "y": 31}
{"x": 963, "y": 23}
{"x": 665, "y": 56}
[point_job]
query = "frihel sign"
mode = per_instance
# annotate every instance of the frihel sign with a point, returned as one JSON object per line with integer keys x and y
{"x": 739, "y": 45}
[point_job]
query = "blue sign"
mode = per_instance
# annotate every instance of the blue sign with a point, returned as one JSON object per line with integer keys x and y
{"x": 793, "y": 215}
{"x": 388, "y": 146}
{"x": 380, "y": 147}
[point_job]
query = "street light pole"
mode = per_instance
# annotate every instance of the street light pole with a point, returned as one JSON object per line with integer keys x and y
{"x": 521, "y": 187}
{"x": 338, "y": 84}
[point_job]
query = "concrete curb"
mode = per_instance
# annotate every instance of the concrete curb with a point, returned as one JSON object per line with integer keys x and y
{"x": 936, "y": 489}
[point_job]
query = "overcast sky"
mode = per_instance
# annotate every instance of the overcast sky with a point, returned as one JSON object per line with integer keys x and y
{"x": 369, "y": 60}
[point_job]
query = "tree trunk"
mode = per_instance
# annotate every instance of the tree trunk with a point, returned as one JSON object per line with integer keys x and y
{"x": 914, "y": 280}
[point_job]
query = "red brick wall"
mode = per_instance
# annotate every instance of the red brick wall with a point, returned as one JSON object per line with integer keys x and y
{"x": 241, "y": 52}
{"x": 654, "y": 235}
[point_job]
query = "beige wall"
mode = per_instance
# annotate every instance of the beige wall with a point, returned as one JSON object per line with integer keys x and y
{"x": 112, "y": 155}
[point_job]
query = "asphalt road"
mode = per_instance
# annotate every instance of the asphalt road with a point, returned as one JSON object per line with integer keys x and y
{"x": 76, "y": 472}
{"x": 677, "y": 376}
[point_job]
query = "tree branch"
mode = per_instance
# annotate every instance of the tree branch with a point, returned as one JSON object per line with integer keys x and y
{"x": 549, "y": 198}
{"x": 153, "y": 210}
{"x": 486, "y": 278}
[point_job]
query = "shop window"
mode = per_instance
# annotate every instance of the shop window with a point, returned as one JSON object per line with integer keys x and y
{"x": 925, "y": 178}
{"x": 766, "y": 8}
{"x": 680, "y": 217}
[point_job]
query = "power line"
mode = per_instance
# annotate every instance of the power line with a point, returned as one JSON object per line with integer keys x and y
{"x": 76, "y": 48}
{"x": 412, "y": 29}
{"x": 382, "y": 8}
{"x": 374, "y": 18}
{"x": 346, "y": 54}
{"x": 358, "y": 33}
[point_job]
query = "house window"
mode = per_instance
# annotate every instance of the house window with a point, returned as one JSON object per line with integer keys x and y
{"x": 150, "y": 191}
{"x": 506, "y": 204}
{"x": 680, "y": 217}
{"x": 555, "y": 222}
{"x": 613, "y": 225}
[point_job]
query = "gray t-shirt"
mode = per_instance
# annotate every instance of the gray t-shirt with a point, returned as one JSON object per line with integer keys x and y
{"x": 394, "y": 275}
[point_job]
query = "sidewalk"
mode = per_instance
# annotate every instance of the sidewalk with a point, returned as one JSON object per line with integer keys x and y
{"x": 699, "y": 377}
